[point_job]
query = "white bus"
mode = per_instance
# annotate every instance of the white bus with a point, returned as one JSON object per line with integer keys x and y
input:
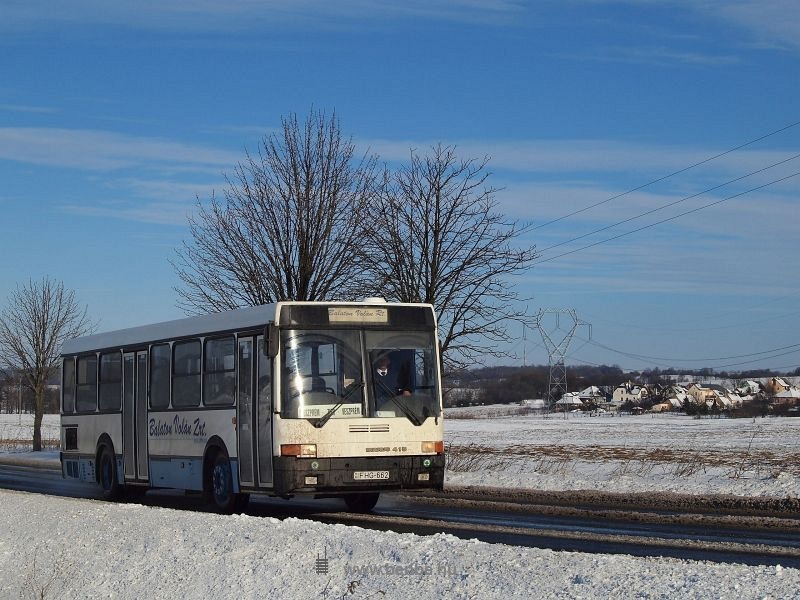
{"x": 312, "y": 398}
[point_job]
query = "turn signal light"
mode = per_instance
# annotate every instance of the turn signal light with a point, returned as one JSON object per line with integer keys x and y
{"x": 433, "y": 447}
{"x": 302, "y": 450}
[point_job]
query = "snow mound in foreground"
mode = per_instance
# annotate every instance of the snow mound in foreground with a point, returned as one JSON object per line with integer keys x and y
{"x": 74, "y": 548}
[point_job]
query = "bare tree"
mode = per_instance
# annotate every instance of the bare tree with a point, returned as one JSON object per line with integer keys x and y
{"x": 38, "y": 318}
{"x": 438, "y": 238}
{"x": 289, "y": 227}
{"x": 6, "y": 392}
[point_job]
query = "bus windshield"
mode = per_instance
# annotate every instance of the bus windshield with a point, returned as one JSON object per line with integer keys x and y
{"x": 323, "y": 375}
{"x": 403, "y": 374}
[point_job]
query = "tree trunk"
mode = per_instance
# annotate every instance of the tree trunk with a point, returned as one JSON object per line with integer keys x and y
{"x": 38, "y": 411}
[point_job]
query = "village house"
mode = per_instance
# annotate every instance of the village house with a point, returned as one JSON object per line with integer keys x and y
{"x": 787, "y": 398}
{"x": 713, "y": 396}
{"x": 674, "y": 396}
{"x": 776, "y": 385}
{"x": 592, "y": 396}
{"x": 748, "y": 388}
{"x": 569, "y": 401}
{"x": 629, "y": 392}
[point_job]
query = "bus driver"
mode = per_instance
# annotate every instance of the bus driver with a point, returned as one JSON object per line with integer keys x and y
{"x": 389, "y": 380}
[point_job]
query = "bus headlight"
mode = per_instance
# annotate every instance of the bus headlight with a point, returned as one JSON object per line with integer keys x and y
{"x": 301, "y": 450}
{"x": 432, "y": 447}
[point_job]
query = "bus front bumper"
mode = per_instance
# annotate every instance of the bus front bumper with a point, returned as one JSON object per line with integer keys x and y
{"x": 357, "y": 474}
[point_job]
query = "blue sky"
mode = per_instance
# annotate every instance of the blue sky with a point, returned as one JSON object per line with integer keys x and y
{"x": 115, "y": 116}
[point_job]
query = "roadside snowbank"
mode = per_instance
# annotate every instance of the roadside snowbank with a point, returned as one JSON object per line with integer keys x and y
{"x": 88, "y": 549}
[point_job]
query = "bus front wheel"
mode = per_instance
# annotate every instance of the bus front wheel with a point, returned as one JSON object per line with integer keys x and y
{"x": 362, "y": 503}
{"x": 219, "y": 486}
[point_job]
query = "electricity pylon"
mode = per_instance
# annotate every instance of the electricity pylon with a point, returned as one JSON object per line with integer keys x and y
{"x": 556, "y": 341}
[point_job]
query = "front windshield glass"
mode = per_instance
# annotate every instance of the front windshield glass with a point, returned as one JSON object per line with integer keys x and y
{"x": 403, "y": 375}
{"x": 322, "y": 374}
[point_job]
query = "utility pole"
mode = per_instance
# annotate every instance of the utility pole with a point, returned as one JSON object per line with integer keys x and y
{"x": 556, "y": 341}
{"x": 524, "y": 347}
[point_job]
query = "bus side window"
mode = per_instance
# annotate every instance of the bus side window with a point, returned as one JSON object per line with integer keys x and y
{"x": 159, "y": 375}
{"x": 186, "y": 374}
{"x": 68, "y": 386}
{"x": 87, "y": 383}
{"x": 219, "y": 374}
{"x": 110, "y": 381}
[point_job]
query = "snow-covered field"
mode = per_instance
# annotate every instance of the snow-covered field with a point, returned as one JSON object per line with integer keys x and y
{"x": 66, "y": 548}
{"x": 671, "y": 453}
{"x": 16, "y": 432}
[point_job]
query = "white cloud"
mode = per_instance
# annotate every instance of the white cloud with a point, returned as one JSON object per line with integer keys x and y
{"x": 27, "y": 108}
{"x": 95, "y": 150}
{"x": 771, "y": 23}
{"x": 659, "y": 56}
{"x": 102, "y": 150}
{"x": 541, "y": 180}
{"x": 143, "y": 211}
{"x": 583, "y": 155}
{"x": 205, "y": 15}
{"x": 168, "y": 190}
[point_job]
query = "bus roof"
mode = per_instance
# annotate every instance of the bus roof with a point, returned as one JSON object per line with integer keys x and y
{"x": 240, "y": 319}
{"x": 250, "y": 317}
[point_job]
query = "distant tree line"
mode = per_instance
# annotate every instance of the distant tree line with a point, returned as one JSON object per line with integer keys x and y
{"x": 505, "y": 384}
{"x": 514, "y": 384}
{"x": 657, "y": 375}
{"x": 18, "y": 397}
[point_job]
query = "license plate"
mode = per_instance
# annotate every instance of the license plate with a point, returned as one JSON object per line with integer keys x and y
{"x": 370, "y": 475}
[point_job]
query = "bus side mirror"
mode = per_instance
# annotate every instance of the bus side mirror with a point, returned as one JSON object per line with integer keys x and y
{"x": 271, "y": 340}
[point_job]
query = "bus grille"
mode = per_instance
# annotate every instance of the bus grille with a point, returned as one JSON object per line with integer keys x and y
{"x": 380, "y": 428}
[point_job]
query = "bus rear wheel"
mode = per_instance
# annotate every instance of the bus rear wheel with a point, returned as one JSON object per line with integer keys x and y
{"x": 363, "y": 502}
{"x": 109, "y": 483}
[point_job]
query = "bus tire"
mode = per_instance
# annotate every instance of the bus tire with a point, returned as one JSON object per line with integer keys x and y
{"x": 107, "y": 474}
{"x": 361, "y": 503}
{"x": 242, "y": 500}
{"x": 134, "y": 493}
{"x": 219, "y": 486}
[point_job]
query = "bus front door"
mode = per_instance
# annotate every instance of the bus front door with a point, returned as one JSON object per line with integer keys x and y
{"x": 254, "y": 413}
{"x": 264, "y": 414}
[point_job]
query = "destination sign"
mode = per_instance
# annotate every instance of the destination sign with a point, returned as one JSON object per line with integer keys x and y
{"x": 357, "y": 314}
{"x": 317, "y": 411}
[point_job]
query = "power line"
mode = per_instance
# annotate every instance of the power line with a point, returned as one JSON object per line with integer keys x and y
{"x": 654, "y": 210}
{"x": 678, "y": 172}
{"x": 750, "y": 354}
{"x": 707, "y": 317}
{"x": 747, "y": 362}
{"x": 772, "y": 354}
{"x": 585, "y": 362}
{"x": 683, "y": 214}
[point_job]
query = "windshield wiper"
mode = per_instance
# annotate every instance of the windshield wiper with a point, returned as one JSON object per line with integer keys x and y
{"x": 403, "y": 407}
{"x": 326, "y": 417}
{"x": 407, "y": 411}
